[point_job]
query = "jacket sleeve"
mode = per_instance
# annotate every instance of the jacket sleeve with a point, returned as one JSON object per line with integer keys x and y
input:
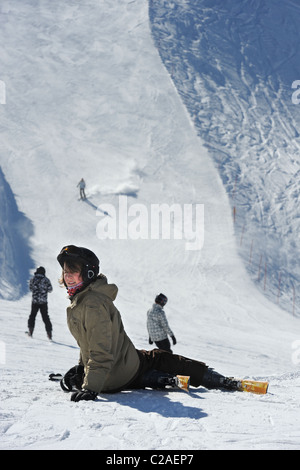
{"x": 99, "y": 340}
{"x": 165, "y": 324}
{"x": 49, "y": 288}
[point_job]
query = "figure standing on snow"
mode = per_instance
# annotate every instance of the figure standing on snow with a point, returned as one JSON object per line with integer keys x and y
{"x": 81, "y": 185}
{"x": 157, "y": 325}
{"x": 109, "y": 362}
{"x": 40, "y": 286}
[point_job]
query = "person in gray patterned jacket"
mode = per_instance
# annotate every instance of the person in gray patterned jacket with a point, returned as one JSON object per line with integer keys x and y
{"x": 40, "y": 286}
{"x": 157, "y": 325}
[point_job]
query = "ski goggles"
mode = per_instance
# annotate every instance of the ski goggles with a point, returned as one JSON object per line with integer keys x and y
{"x": 73, "y": 251}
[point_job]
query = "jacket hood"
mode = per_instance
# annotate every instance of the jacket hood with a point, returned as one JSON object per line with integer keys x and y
{"x": 101, "y": 286}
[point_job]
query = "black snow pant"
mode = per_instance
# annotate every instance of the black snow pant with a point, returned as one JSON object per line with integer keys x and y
{"x": 44, "y": 312}
{"x": 164, "y": 344}
{"x": 82, "y": 193}
{"x": 169, "y": 363}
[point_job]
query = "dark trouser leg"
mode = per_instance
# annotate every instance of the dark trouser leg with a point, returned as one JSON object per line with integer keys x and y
{"x": 154, "y": 379}
{"x": 164, "y": 344}
{"x": 31, "y": 319}
{"x": 46, "y": 319}
{"x": 213, "y": 379}
{"x": 173, "y": 364}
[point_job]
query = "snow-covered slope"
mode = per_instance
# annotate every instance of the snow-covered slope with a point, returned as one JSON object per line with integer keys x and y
{"x": 88, "y": 96}
{"x": 236, "y": 66}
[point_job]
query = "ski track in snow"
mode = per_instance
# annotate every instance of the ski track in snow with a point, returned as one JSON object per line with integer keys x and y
{"x": 233, "y": 64}
{"x": 101, "y": 105}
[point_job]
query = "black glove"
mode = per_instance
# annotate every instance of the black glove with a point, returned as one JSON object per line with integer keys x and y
{"x": 174, "y": 340}
{"x": 84, "y": 395}
{"x": 150, "y": 340}
{"x": 73, "y": 378}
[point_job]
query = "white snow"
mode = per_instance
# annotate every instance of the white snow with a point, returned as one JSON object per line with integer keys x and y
{"x": 88, "y": 96}
{"x": 235, "y": 65}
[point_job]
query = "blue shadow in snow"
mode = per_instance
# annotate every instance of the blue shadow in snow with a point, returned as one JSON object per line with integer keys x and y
{"x": 15, "y": 253}
{"x": 154, "y": 401}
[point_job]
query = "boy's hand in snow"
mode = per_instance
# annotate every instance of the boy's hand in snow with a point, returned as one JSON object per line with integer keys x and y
{"x": 84, "y": 395}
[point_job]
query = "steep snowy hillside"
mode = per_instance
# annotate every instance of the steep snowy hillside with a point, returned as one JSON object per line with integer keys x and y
{"x": 16, "y": 229}
{"x": 88, "y": 96}
{"x": 236, "y": 66}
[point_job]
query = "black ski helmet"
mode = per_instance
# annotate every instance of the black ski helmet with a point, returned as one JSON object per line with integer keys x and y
{"x": 90, "y": 260}
{"x": 161, "y": 300}
{"x": 40, "y": 270}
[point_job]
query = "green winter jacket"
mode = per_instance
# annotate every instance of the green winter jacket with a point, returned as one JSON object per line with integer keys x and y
{"x": 109, "y": 358}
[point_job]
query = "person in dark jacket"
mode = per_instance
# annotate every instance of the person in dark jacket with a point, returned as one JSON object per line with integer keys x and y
{"x": 40, "y": 286}
{"x": 81, "y": 185}
{"x": 109, "y": 362}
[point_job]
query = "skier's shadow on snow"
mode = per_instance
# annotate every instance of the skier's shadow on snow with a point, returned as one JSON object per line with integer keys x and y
{"x": 87, "y": 201}
{"x": 152, "y": 401}
{"x": 65, "y": 345}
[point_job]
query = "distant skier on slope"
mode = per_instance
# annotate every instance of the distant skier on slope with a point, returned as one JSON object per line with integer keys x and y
{"x": 40, "y": 286}
{"x": 109, "y": 362}
{"x": 81, "y": 185}
{"x": 158, "y": 326}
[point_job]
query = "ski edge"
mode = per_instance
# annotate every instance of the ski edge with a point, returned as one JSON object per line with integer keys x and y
{"x": 253, "y": 386}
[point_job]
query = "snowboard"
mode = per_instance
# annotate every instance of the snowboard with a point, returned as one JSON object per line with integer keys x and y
{"x": 232, "y": 384}
{"x": 182, "y": 382}
{"x": 253, "y": 386}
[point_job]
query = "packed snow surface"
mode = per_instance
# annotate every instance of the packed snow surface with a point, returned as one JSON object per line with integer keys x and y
{"x": 87, "y": 95}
